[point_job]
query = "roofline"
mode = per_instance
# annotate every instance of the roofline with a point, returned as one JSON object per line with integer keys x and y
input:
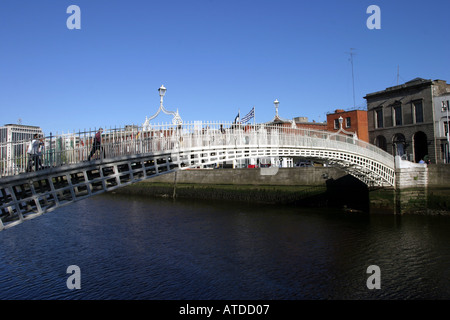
{"x": 409, "y": 84}
{"x": 22, "y": 125}
{"x": 347, "y": 111}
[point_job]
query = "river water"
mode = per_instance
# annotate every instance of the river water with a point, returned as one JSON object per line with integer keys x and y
{"x": 130, "y": 247}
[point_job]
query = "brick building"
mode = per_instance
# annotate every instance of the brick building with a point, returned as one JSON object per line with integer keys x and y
{"x": 302, "y": 122}
{"x": 354, "y": 121}
{"x": 401, "y": 119}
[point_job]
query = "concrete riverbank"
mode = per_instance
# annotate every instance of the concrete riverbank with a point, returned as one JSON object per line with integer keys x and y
{"x": 304, "y": 186}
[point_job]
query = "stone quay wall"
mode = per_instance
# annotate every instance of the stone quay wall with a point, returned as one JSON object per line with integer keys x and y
{"x": 297, "y": 176}
{"x": 420, "y": 188}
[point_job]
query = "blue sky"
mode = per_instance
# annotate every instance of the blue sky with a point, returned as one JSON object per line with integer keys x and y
{"x": 215, "y": 57}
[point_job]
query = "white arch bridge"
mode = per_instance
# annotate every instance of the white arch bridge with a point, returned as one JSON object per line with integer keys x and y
{"x": 133, "y": 153}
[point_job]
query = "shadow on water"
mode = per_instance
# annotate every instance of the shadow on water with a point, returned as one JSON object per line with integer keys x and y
{"x": 349, "y": 193}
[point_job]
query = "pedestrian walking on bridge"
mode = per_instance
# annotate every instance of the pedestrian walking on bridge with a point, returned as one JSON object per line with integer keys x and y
{"x": 96, "y": 145}
{"x": 34, "y": 153}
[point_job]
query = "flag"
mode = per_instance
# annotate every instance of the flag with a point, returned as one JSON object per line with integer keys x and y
{"x": 248, "y": 116}
{"x": 236, "y": 120}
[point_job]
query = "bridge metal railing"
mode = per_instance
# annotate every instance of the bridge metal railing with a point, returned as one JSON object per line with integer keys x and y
{"x": 71, "y": 148}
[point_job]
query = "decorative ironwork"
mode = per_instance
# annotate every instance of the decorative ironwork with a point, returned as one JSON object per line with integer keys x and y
{"x": 176, "y": 120}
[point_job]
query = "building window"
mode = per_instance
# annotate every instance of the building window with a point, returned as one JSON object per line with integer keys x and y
{"x": 418, "y": 111}
{"x": 336, "y": 124}
{"x": 445, "y": 128}
{"x": 379, "y": 118}
{"x": 348, "y": 122}
{"x": 381, "y": 143}
{"x": 3, "y": 134}
{"x": 398, "y": 115}
{"x": 445, "y": 105}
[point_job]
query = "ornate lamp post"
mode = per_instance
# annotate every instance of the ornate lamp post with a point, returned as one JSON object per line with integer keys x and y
{"x": 162, "y": 92}
{"x": 176, "y": 120}
{"x": 341, "y": 129}
{"x": 276, "y": 103}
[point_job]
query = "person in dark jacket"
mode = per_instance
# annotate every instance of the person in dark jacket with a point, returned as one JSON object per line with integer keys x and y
{"x": 97, "y": 143}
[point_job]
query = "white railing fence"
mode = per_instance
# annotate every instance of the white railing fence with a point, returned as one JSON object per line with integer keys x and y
{"x": 71, "y": 148}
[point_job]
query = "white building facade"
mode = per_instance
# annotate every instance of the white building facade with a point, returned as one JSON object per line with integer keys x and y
{"x": 10, "y": 134}
{"x": 441, "y": 125}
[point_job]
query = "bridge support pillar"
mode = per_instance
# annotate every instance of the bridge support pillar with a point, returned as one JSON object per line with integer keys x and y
{"x": 411, "y": 182}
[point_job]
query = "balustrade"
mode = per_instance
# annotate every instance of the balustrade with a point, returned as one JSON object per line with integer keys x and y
{"x": 73, "y": 148}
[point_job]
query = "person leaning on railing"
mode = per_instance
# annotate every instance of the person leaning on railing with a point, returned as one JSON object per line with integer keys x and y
{"x": 34, "y": 154}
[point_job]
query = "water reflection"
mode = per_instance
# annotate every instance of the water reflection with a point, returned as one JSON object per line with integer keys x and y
{"x": 139, "y": 248}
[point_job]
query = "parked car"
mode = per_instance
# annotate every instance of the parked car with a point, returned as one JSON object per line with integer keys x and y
{"x": 306, "y": 163}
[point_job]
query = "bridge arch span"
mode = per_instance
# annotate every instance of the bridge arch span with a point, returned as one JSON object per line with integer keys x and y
{"x": 160, "y": 151}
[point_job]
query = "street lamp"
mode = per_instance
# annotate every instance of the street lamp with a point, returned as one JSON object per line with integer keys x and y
{"x": 276, "y": 103}
{"x": 341, "y": 120}
{"x": 162, "y": 92}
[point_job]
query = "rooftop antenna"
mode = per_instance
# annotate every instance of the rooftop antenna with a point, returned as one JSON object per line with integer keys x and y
{"x": 19, "y": 121}
{"x": 398, "y": 73}
{"x": 351, "y": 53}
